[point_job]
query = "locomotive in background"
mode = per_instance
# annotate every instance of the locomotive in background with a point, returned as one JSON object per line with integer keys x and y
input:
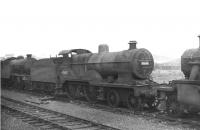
{"x": 15, "y": 70}
{"x": 117, "y": 77}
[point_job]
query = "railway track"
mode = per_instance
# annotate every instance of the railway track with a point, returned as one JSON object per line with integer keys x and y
{"x": 48, "y": 119}
{"x": 186, "y": 121}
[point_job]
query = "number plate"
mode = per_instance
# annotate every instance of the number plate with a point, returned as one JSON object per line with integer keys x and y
{"x": 144, "y": 63}
{"x": 65, "y": 72}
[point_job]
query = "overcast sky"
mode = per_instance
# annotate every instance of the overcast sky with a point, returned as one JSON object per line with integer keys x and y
{"x": 45, "y": 27}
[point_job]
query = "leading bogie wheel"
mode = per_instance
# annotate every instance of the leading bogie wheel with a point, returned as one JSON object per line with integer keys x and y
{"x": 113, "y": 98}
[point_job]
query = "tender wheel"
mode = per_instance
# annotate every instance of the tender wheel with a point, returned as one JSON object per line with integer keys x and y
{"x": 132, "y": 101}
{"x": 90, "y": 94}
{"x": 22, "y": 85}
{"x": 71, "y": 91}
{"x": 79, "y": 91}
{"x": 18, "y": 84}
{"x": 113, "y": 98}
{"x": 15, "y": 83}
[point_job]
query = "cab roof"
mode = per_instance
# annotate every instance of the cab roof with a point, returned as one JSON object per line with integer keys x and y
{"x": 78, "y": 51}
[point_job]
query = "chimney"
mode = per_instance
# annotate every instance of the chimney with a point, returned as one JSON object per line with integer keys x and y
{"x": 199, "y": 41}
{"x": 132, "y": 45}
{"x": 29, "y": 56}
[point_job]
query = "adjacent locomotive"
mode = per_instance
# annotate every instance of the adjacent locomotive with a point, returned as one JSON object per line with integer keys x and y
{"x": 184, "y": 95}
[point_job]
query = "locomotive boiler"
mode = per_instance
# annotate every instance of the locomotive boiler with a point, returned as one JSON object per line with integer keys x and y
{"x": 118, "y": 77}
{"x": 125, "y": 65}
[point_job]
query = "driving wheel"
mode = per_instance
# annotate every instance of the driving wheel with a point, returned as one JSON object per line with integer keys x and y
{"x": 90, "y": 93}
{"x": 113, "y": 98}
{"x": 132, "y": 101}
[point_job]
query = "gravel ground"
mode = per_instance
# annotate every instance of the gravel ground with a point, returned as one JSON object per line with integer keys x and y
{"x": 11, "y": 123}
{"x": 123, "y": 122}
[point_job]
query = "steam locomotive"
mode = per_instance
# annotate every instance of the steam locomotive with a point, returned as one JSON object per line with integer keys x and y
{"x": 117, "y": 77}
